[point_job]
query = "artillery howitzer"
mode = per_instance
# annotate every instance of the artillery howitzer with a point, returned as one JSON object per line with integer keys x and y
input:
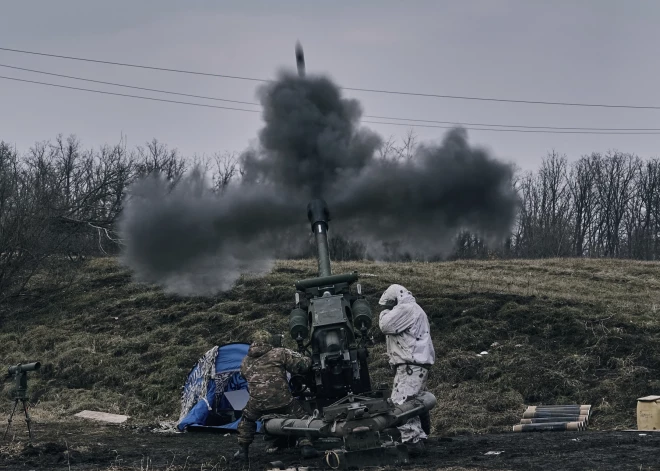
{"x": 330, "y": 324}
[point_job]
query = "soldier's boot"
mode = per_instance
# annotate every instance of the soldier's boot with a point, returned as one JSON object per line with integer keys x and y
{"x": 277, "y": 443}
{"x": 415, "y": 449}
{"x": 307, "y": 451}
{"x": 242, "y": 453}
{"x": 425, "y": 420}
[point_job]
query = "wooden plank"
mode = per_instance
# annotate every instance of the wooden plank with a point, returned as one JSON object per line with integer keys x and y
{"x": 102, "y": 416}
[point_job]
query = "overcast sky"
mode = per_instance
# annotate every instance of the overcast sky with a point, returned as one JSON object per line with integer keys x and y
{"x": 596, "y": 51}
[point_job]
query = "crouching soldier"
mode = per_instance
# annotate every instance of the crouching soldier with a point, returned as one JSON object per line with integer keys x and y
{"x": 411, "y": 354}
{"x": 265, "y": 369}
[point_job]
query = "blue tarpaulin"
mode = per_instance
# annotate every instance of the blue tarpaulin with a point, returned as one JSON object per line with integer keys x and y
{"x": 227, "y": 375}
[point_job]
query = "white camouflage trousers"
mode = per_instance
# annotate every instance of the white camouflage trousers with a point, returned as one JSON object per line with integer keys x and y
{"x": 408, "y": 381}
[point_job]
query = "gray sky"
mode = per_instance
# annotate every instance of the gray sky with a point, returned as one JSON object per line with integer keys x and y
{"x": 596, "y": 51}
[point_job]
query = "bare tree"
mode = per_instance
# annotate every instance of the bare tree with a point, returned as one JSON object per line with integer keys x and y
{"x": 648, "y": 193}
{"x": 554, "y": 205}
{"x": 387, "y": 149}
{"x": 391, "y": 150}
{"x": 583, "y": 195}
{"x": 615, "y": 175}
{"x": 226, "y": 169}
{"x": 156, "y": 157}
{"x": 406, "y": 150}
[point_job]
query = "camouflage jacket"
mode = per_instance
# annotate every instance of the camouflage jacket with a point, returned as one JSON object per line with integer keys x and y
{"x": 265, "y": 369}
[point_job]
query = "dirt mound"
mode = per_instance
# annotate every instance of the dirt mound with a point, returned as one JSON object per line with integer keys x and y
{"x": 555, "y": 331}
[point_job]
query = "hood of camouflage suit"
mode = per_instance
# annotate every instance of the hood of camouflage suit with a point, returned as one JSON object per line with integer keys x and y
{"x": 398, "y": 292}
{"x": 259, "y": 349}
{"x": 261, "y": 343}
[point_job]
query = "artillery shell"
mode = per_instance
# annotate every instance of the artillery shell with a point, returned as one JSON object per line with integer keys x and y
{"x": 559, "y": 409}
{"x": 551, "y": 408}
{"x": 559, "y": 413}
{"x": 551, "y": 426}
{"x": 561, "y": 405}
{"x": 545, "y": 420}
{"x": 300, "y": 59}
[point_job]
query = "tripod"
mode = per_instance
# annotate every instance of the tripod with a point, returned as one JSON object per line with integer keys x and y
{"x": 27, "y": 416}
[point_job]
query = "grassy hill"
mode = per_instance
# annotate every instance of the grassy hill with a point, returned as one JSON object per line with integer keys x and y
{"x": 556, "y": 331}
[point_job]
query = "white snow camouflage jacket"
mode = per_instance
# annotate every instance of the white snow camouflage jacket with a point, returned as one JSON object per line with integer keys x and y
{"x": 407, "y": 329}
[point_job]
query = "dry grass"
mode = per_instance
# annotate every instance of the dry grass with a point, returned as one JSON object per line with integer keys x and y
{"x": 557, "y": 331}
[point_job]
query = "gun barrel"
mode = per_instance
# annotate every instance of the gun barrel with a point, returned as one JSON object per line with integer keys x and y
{"x": 318, "y": 216}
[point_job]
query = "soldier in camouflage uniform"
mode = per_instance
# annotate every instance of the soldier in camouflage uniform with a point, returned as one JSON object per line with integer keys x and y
{"x": 265, "y": 369}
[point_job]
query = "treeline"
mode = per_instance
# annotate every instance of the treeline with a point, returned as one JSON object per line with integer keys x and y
{"x": 598, "y": 206}
{"x": 59, "y": 202}
{"x": 601, "y": 205}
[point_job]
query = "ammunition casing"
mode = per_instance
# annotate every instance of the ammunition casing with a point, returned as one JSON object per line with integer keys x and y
{"x": 555, "y": 413}
{"x": 545, "y": 420}
{"x": 555, "y": 408}
{"x": 551, "y": 426}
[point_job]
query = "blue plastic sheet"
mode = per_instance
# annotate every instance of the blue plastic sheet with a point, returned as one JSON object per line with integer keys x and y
{"x": 228, "y": 359}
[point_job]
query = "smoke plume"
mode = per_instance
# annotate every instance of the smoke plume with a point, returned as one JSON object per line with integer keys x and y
{"x": 194, "y": 241}
{"x": 423, "y": 202}
{"x": 311, "y": 140}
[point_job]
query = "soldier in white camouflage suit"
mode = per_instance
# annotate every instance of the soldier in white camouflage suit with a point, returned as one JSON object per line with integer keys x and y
{"x": 411, "y": 354}
{"x": 265, "y": 369}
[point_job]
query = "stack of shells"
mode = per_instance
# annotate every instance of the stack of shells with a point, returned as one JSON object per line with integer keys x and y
{"x": 560, "y": 418}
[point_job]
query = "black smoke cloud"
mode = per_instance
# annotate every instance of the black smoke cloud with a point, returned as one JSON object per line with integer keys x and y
{"x": 421, "y": 203}
{"x": 311, "y": 140}
{"x": 193, "y": 241}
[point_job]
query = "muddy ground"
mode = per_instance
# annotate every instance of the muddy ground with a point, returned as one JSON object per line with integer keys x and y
{"x": 87, "y": 446}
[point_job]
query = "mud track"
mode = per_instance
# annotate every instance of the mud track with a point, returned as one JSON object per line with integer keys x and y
{"x": 83, "y": 446}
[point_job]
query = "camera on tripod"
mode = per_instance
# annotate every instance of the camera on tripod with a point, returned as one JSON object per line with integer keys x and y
{"x": 19, "y": 372}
